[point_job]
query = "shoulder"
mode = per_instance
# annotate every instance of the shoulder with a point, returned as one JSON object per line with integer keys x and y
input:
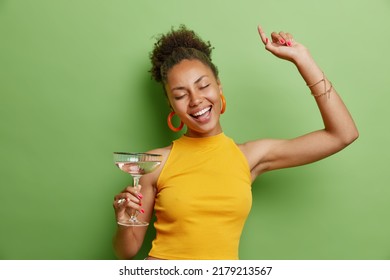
{"x": 151, "y": 178}
{"x": 258, "y": 153}
{"x": 164, "y": 151}
{"x": 253, "y": 150}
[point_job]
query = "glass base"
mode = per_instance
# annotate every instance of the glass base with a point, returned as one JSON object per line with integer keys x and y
{"x": 132, "y": 222}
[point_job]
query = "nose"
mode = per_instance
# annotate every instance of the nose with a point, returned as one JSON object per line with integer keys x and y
{"x": 196, "y": 99}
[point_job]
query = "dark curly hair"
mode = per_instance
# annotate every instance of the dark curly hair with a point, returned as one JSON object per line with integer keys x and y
{"x": 175, "y": 46}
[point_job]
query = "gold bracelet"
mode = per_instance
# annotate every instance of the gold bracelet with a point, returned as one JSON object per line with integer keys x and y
{"x": 322, "y": 80}
{"x": 326, "y": 91}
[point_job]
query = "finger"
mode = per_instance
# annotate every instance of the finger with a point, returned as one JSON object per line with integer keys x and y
{"x": 132, "y": 205}
{"x": 129, "y": 193}
{"x": 134, "y": 191}
{"x": 130, "y": 200}
{"x": 279, "y": 38}
{"x": 137, "y": 191}
{"x": 126, "y": 199}
{"x": 127, "y": 206}
{"x": 283, "y": 37}
{"x": 128, "y": 189}
{"x": 120, "y": 201}
{"x": 263, "y": 37}
{"x": 289, "y": 39}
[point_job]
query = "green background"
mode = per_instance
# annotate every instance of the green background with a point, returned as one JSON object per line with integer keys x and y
{"x": 75, "y": 87}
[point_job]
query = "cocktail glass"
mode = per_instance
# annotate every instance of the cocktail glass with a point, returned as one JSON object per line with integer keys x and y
{"x": 136, "y": 164}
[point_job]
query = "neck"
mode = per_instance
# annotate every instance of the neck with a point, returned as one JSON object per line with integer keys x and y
{"x": 200, "y": 134}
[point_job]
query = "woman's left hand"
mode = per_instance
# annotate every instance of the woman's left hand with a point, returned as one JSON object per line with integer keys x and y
{"x": 283, "y": 45}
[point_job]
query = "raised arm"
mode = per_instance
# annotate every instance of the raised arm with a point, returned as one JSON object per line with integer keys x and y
{"x": 339, "y": 128}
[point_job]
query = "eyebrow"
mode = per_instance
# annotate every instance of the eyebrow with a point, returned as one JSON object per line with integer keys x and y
{"x": 197, "y": 81}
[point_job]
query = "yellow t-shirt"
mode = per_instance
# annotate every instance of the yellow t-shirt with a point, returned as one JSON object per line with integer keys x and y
{"x": 203, "y": 199}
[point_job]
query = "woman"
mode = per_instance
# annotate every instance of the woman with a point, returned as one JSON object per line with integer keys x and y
{"x": 201, "y": 193}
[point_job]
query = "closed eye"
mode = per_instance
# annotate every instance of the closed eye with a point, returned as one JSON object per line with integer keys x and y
{"x": 203, "y": 87}
{"x": 179, "y": 97}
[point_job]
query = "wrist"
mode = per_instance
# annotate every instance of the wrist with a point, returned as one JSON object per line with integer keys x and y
{"x": 303, "y": 59}
{"x": 308, "y": 68}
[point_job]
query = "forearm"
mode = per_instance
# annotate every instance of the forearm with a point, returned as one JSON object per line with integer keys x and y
{"x": 335, "y": 115}
{"x": 339, "y": 127}
{"x": 125, "y": 242}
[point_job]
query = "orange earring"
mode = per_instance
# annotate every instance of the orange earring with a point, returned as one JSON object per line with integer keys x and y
{"x": 223, "y": 104}
{"x": 170, "y": 125}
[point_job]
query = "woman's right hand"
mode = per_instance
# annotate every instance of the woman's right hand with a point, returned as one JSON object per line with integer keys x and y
{"x": 284, "y": 46}
{"x": 126, "y": 202}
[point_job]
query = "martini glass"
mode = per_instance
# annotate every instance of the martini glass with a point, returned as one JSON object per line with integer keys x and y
{"x": 136, "y": 164}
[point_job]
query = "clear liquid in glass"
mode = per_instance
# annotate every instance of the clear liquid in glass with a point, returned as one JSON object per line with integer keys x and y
{"x": 137, "y": 168}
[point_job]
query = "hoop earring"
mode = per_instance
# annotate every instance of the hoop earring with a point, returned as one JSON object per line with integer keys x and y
{"x": 223, "y": 104}
{"x": 170, "y": 125}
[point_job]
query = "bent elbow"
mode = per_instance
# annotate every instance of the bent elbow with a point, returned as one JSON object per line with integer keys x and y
{"x": 356, "y": 136}
{"x": 125, "y": 255}
{"x": 350, "y": 137}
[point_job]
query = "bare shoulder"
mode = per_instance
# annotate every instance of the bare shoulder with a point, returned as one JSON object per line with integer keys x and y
{"x": 258, "y": 153}
{"x": 151, "y": 178}
{"x": 164, "y": 151}
{"x": 256, "y": 148}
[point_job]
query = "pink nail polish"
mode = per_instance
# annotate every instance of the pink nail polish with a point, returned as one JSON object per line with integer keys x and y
{"x": 289, "y": 44}
{"x": 142, "y": 211}
{"x": 282, "y": 41}
{"x": 140, "y": 196}
{"x": 266, "y": 40}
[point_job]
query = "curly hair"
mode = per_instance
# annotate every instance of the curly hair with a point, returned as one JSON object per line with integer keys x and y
{"x": 173, "y": 47}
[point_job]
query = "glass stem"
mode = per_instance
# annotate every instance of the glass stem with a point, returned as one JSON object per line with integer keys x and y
{"x": 136, "y": 181}
{"x": 136, "y": 186}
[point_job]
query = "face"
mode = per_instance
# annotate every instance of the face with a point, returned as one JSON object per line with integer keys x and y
{"x": 194, "y": 95}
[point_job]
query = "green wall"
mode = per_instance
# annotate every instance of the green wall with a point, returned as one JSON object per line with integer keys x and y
{"x": 74, "y": 87}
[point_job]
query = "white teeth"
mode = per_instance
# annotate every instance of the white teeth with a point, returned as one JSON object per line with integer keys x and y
{"x": 201, "y": 112}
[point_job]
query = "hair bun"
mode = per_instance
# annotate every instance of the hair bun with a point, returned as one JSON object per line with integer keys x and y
{"x": 175, "y": 43}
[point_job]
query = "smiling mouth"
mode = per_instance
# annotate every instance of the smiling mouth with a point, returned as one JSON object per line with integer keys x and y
{"x": 201, "y": 112}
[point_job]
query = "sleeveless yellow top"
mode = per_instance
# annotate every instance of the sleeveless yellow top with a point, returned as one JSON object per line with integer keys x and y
{"x": 203, "y": 199}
